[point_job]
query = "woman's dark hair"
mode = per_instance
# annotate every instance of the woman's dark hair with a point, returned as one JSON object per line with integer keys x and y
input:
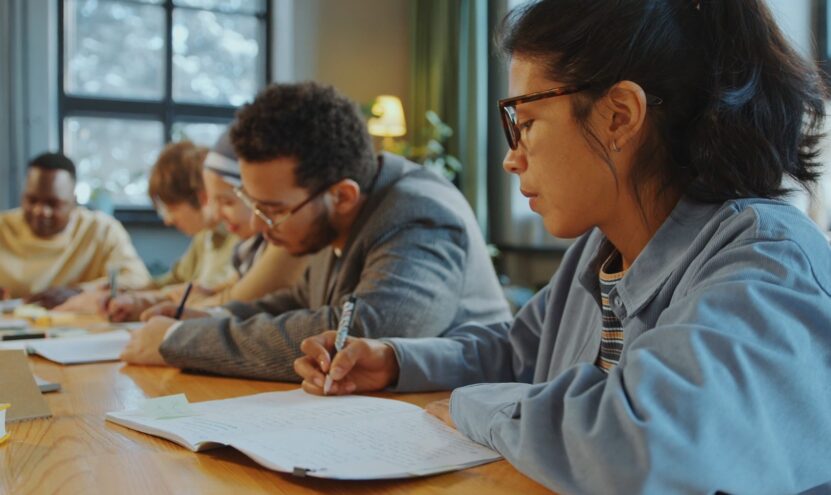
{"x": 312, "y": 123}
{"x": 176, "y": 176}
{"x": 740, "y": 107}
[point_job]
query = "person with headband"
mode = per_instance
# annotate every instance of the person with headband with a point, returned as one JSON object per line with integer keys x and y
{"x": 216, "y": 171}
{"x": 179, "y": 195}
{"x": 683, "y": 345}
{"x": 261, "y": 267}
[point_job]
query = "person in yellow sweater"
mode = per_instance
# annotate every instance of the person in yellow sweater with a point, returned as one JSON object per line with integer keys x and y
{"x": 51, "y": 248}
{"x": 178, "y": 193}
{"x": 260, "y": 268}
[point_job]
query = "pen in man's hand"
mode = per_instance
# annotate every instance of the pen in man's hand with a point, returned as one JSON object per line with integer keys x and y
{"x": 181, "y": 307}
{"x": 113, "y": 282}
{"x": 345, "y": 323}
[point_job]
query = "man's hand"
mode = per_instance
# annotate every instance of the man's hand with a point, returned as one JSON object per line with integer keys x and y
{"x": 52, "y": 297}
{"x": 89, "y": 301}
{"x": 144, "y": 344}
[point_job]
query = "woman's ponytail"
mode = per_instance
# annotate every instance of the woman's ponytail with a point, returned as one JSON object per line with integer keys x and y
{"x": 763, "y": 106}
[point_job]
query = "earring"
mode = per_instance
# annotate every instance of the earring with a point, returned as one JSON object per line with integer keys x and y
{"x": 614, "y": 147}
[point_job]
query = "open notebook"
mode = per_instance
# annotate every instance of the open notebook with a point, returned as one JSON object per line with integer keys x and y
{"x": 351, "y": 437}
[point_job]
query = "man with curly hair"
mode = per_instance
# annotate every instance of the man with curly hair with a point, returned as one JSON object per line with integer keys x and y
{"x": 398, "y": 237}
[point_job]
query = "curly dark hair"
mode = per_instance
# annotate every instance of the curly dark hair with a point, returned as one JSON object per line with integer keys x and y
{"x": 313, "y": 123}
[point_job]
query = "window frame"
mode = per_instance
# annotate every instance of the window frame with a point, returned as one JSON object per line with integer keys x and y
{"x": 165, "y": 110}
{"x": 819, "y": 13}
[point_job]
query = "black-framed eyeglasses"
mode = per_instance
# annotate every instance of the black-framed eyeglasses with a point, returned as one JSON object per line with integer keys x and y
{"x": 272, "y": 220}
{"x": 507, "y": 108}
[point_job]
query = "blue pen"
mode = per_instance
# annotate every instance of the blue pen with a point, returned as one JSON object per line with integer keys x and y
{"x": 345, "y": 323}
{"x": 113, "y": 282}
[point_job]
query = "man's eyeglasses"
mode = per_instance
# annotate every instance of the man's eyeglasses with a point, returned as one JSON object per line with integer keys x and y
{"x": 272, "y": 220}
{"x": 507, "y": 108}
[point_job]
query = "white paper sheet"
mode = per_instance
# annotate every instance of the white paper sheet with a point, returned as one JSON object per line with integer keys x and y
{"x": 10, "y": 305}
{"x": 90, "y": 348}
{"x": 169, "y": 407}
{"x": 13, "y": 324}
{"x": 353, "y": 437}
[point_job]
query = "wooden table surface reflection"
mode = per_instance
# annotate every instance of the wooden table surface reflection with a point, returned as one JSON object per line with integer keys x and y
{"x": 77, "y": 451}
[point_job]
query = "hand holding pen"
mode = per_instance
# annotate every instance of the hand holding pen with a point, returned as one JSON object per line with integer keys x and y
{"x": 362, "y": 365}
{"x": 344, "y": 325}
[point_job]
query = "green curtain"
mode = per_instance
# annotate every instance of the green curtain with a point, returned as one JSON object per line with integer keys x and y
{"x": 450, "y": 71}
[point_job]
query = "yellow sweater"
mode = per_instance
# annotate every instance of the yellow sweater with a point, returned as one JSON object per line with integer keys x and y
{"x": 91, "y": 243}
{"x": 207, "y": 262}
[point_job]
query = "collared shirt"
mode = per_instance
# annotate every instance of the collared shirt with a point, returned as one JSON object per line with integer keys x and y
{"x": 724, "y": 382}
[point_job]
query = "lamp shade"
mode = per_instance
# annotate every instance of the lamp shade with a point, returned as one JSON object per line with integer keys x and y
{"x": 390, "y": 117}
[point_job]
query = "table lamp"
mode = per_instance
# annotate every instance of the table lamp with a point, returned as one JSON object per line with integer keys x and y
{"x": 388, "y": 119}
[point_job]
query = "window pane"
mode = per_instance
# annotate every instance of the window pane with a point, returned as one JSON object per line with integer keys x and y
{"x": 113, "y": 156}
{"x": 217, "y": 58}
{"x": 114, "y": 49}
{"x": 244, "y": 6}
{"x": 201, "y": 133}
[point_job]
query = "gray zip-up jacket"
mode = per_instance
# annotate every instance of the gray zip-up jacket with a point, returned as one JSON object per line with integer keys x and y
{"x": 724, "y": 383}
{"x": 415, "y": 260}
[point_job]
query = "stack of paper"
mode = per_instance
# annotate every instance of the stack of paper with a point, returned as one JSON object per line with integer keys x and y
{"x": 91, "y": 348}
{"x": 351, "y": 437}
{"x": 9, "y": 305}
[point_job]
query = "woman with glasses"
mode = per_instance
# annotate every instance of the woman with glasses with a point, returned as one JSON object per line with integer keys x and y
{"x": 683, "y": 346}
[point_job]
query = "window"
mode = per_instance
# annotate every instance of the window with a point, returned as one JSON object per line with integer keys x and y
{"x": 136, "y": 74}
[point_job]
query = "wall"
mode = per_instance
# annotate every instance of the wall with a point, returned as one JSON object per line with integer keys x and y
{"x": 362, "y": 47}
{"x": 359, "y": 46}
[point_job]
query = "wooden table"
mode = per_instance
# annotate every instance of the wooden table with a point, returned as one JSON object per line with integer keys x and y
{"x": 77, "y": 451}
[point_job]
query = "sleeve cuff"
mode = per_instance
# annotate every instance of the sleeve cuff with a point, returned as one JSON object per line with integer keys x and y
{"x": 476, "y": 409}
{"x": 416, "y": 363}
{"x": 172, "y": 329}
{"x": 218, "y": 312}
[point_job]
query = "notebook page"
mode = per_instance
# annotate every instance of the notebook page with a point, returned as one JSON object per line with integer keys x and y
{"x": 223, "y": 421}
{"x": 399, "y": 445}
{"x": 352, "y": 437}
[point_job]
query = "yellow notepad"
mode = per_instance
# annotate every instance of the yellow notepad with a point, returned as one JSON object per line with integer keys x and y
{"x": 3, "y": 435}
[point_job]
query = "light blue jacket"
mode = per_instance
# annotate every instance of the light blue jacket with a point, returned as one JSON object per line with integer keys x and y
{"x": 725, "y": 378}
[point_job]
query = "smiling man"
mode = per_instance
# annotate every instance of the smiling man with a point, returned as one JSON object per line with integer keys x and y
{"x": 400, "y": 238}
{"x": 50, "y": 248}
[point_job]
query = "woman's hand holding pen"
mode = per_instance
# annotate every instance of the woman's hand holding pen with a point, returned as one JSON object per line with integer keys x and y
{"x": 364, "y": 365}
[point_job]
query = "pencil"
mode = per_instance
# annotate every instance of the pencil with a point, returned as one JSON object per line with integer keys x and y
{"x": 181, "y": 307}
